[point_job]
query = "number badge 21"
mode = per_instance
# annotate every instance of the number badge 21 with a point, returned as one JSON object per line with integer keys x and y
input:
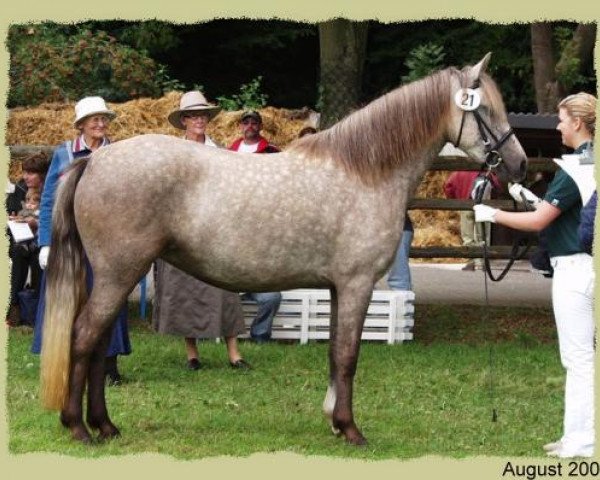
{"x": 467, "y": 99}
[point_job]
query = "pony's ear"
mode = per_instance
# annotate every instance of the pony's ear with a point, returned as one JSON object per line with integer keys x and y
{"x": 481, "y": 67}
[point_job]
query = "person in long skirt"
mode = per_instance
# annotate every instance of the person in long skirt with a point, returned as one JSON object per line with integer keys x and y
{"x": 92, "y": 119}
{"x": 184, "y": 306}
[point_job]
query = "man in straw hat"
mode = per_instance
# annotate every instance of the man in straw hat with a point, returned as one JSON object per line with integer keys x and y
{"x": 92, "y": 118}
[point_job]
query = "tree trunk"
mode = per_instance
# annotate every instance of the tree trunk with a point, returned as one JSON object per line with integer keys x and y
{"x": 581, "y": 47}
{"x": 550, "y": 76}
{"x": 544, "y": 76}
{"x": 342, "y": 46}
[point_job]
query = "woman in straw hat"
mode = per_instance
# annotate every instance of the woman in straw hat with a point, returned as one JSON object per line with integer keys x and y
{"x": 183, "y": 305}
{"x": 92, "y": 118}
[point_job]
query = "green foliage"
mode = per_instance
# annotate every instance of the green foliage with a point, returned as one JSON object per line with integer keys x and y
{"x": 49, "y": 63}
{"x": 465, "y": 42}
{"x": 568, "y": 70}
{"x": 151, "y": 36}
{"x": 249, "y": 98}
{"x": 423, "y": 60}
{"x": 167, "y": 84}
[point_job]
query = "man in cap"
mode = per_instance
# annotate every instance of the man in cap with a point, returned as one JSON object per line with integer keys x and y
{"x": 268, "y": 302}
{"x": 251, "y": 140}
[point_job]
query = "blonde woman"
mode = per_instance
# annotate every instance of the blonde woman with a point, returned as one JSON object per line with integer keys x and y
{"x": 558, "y": 214}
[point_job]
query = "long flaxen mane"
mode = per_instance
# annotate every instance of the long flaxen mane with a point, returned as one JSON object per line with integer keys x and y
{"x": 386, "y": 133}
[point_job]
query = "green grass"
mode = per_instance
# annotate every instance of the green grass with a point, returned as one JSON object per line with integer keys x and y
{"x": 410, "y": 400}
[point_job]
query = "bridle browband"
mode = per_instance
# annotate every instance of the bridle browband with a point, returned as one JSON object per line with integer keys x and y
{"x": 492, "y": 152}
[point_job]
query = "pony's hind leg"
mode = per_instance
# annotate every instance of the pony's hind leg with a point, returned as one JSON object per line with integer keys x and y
{"x": 89, "y": 329}
{"x": 71, "y": 414}
{"x": 97, "y": 414}
{"x": 352, "y": 303}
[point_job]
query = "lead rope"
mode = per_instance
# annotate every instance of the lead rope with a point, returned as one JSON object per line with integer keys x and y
{"x": 486, "y": 320}
{"x": 485, "y": 317}
{"x": 519, "y": 248}
{"x": 487, "y": 272}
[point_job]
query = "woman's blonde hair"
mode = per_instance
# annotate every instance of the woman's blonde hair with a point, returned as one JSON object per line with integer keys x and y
{"x": 583, "y": 106}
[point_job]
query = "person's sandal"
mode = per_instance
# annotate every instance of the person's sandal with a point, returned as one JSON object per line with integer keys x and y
{"x": 194, "y": 364}
{"x": 114, "y": 379}
{"x": 240, "y": 364}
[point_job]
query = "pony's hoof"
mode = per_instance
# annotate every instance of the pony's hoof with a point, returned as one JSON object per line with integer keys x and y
{"x": 355, "y": 438}
{"x": 359, "y": 441}
{"x": 336, "y": 431}
{"x": 108, "y": 432}
{"x": 81, "y": 435}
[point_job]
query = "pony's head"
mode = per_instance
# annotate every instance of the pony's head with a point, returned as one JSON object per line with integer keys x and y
{"x": 478, "y": 124}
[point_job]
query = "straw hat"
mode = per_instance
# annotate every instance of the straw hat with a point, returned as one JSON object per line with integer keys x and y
{"x": 89, "y": 106}
{"x": 192, "y": 101}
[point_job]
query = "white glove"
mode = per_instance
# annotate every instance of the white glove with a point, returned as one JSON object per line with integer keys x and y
{"x": 43, "y": 257}
{"x": 481, "y": 183}
{"x": 483, "y": 213}
{"x": 517, "y": 189}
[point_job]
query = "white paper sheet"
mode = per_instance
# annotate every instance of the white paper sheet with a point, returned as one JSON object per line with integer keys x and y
{"x": 20, "y": 231}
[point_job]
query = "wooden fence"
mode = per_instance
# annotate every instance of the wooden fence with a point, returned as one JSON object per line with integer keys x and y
{"x": 452, "y": 163}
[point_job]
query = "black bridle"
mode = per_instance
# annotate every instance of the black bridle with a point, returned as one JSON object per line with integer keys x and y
{"x": 493, "y": 159}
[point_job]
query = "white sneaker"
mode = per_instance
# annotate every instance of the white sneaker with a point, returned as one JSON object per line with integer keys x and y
{"x": 563, "y": 452}
{"x": 550, "y": 447}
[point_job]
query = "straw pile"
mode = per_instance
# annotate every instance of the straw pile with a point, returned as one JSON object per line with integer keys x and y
{"x": 52, "y": 123}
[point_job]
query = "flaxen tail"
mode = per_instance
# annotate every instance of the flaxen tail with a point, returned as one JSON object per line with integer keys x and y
{"x": 65, "y": 292}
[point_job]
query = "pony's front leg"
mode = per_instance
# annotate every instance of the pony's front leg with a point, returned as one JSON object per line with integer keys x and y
{"x": 330, "y": 396}
{"x": 97, "y": 413}
{"x": 350, "y": 303}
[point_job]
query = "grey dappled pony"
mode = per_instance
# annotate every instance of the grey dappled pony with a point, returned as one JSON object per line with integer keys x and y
{"x": 326, "y": 213}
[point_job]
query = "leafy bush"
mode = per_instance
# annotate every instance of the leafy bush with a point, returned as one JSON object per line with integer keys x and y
{"x": 49, "y": 63}
{"x": 249, "y": 98}
{"x": 423, "y": 60}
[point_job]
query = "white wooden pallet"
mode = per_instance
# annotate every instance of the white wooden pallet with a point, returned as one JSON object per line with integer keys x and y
{"x": 304, "y": 315}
